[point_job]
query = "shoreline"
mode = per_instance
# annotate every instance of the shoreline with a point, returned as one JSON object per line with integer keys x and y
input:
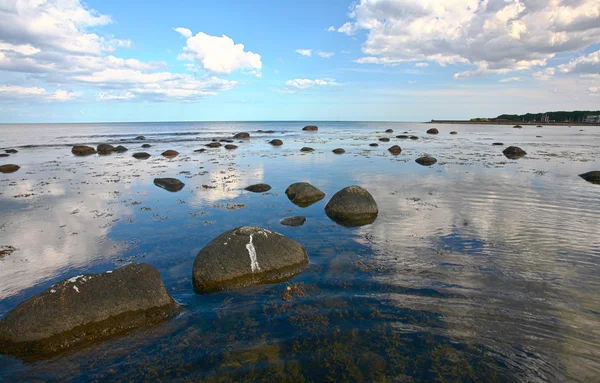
{"x": 513, "y": 123}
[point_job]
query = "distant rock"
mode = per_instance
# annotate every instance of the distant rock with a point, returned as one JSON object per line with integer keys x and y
{"x": 453, "y": 132}
{"x": 141, "y": 155}
{"x": 82, "y": 150}
{"x": 120, "y": 149}
{"x": 311, "y": 128}
{"x": 8, "y": 155}
{"x": 514, "y": 152}
{"x": 170, "y": 153}
{"x": 414, "y": 137}
{"x": 498, "y": 144}
{"x": 593, "y": 177}
{"x": 84, "y": 309}
{"x": 105, "y": 149}
{"x": 146, "y": 146}
{"x": 517, "y": 127}
{"x": 230, "y": 147}
{"x": 389, "y": 130}
{"x": 303, "y": 194}
{"x": 433, "y": 131}
{"x": 245, "y": 256}
{"x": 539, "y": 126}
{"x": 258, "y": 188}
{"x": 170, "y": 184}
{"x": 11, "y": 151}
{"x": 352, "y": 206}
{"x": 9, "y": 168}
{"x": 226, "y": 140}
{"x": 402, "y": 136}
{"x": 242, "y": 135}
{"x": 199, "y": 150}
{"x": 384, "y": 139}
{"x": 140, "y": 138}
{"x": 306, "y": 149}
{"x": 276, "y": 142}
{"x": 426, "y": 161}
{"x": 213, "y": 145}
{"x": 395, "y": 149}
{"x": 293, "y": 221}
{"x": 339, "y": 151}
{"x": 374, "y": 144}
{"x": 269, "y": 131}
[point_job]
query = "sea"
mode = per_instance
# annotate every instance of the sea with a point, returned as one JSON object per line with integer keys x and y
{"x": 479, "y": 268}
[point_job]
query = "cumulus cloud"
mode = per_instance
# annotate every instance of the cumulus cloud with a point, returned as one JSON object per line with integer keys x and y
{"x": 325, "y": 55}
{"x": 496, "y": 36}
{"x": 298, "y": 84}
{"x": 309, "y": 53}
{"x": 12, "y": 92}
{"x": 219, "y": 54}
{"x": 304, "y": 52}
{"x": 587, "y": 64}
{"x": 510, "y": 79}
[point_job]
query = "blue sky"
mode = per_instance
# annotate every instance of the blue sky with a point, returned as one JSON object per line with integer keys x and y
{"x": 398, "y": 60}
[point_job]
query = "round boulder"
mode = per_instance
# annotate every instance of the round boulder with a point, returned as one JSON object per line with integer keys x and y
{"x": 352, "y": 206}
{"x": 276, "y": 142}
{"x": 230, "y": 147}
{"x": 593, "y": 177}
{"x": 120, "y": 149}
{"x": 146, "y": 146}
{"x": 140, "y": 138}
{"x": 170, "y": 153}
{"x": 426, "y": 161}
{"x": 9, "y": 168}
{"x": 242, "y": 135}
{"x": 303, "y": 194}
{"x": 384, "y": 139}
{"x": 82, "y": 150}
{"x": 311, "y": 128}
{"x": 306, "y": 149}
{"x": 293, "y": 221}
{"x": 141, "y": 155}
{"x": 339, "y": 151}
{"x": 258, "y": 188}
{"x": 105, "y": 149}
{"x": 433, "y": 131}
{"x": 245, "y": 256}
{"x": 86, "y": 308}
{"x": 395, "y": 149}
{"x": 214, "y": 145}
{"x": 170, "y": 184}
{"x": 514, "y": 152}
{"x": 389, "y": 131}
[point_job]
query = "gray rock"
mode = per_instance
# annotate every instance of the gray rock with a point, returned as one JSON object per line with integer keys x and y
{"x": 433, "y": 131}
{"x": 242, "y": 135}
{"x": 120, "y": 149}
{"x": 245, "y": 256}
{"x": 105, "y": 149}
{"x": 146, "y": 146}
{"x": 426, "y": 161}
{"x": 593, "y": 177}
{"x": 12, "y": 151}
{"x": 170, "y": 184}
{"x": 258, "y": 188}
{"x": 86, "y": 308}
{"x": 389, "y": 131}
{"x": 311, "y": 128}
{"x": 352, "y": 206}
{"x": 82, "y": 150}
{"x": 498, "y": 144}
{"x": 303, "y": 194}
{"x": 402, "y": 137}
{"x": 339, "y": 151}
{"x": 293, "y": 221}
{"x": 140, "y": 138}
{"x": 214, "y": 145}
{"x": 395, "y": 150}
{"x": 9, "y": 168}
{"x": 276, "y": 142}
{"x": 141, "y": 155}
{"x": 514, "y": 152}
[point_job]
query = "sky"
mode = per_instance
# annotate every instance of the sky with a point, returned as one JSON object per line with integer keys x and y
{"x": 310, "y": 60}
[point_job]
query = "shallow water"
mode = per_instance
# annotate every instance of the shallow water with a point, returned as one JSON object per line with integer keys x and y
{"x": 478, "y": 268}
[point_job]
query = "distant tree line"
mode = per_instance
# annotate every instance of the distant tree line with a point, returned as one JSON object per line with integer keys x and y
{"x": 577, "y": 115}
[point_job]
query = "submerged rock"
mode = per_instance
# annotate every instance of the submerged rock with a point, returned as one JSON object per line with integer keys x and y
{"x": 4, "y": 155}
{"x": 11, "y": 151}
{"x": 311, "y": 128}
{"x": 245, "y": 256}
{"x": 433, "y": 131}
{"x": 453, "y": 132}
{"x": 170, "y": 153}
{"x": 199, "y": 150}
{"x": 514, "y": 152}
{"x": 498, "y": 144}
{"x": 593, "y": 177}
{"x": 276, "y": 142}
{"x": 258, "y": 188}
{"x": 389, "y": 131}
{"x": 306, "y": 149}
{"x": 230, "y": 147}
{"x": 170, "y": 184}
{"x": 140, "y": 138}
{"x": 105, "y": 149}
{"x": 213, "y": 145}
{"x": 402, "y": 136}
{"x": 339, "y": 151}
{"x": 384, "y": 139}
{"x": 82, "y": 150}
{"x": 395, "y": 149}
{"x": 352, "y": 206}
{"x": 293, "y": 221}
{"x": 9, "y": 168}
{"x": 414, "y": 137}
{"x": 374, "y": 144}
{"x": 86, "y": 308}
{"x": 146, "y": 146}
{"x": 141, "y": 155}
{"x": 426, "y": 161}
{"x": 303, "y": 194}
{"x": 120, "y": 149}
{"x": 517, "y": 127}
{"x": 242, "y": 135}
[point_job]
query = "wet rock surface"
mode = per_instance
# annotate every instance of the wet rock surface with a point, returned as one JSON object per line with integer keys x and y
{"x": 86, "y": 308}
{"x": 105, "y": 149}
{"x": 293, "y": 221}
{"x": 339, "y": 151}
{"x": 395, "y": 149}
{"x": 453, "y": 132}
{"x": 276, "y": 142}
{"x": 9, "y": 168}
{"x": 230, "y": 147}
{"x": 245, "y": 256}
{"x": 141, "y": 155}
{"x": 593, "y": 177}
{"x": 304, "y": 194}
{"x": 241, "y": 135}
{"x": 11, "y": 151}
{"x": 311, "y": 128}
{"x": 306, "y": 149}
{"x": 120, "y": 149}
{"x": 514, "y": 152}
{"x": 384, "y": 139}
{"x": 498, "y": 144}
{"x": 82, "y": 150}
{"x": 426, "y": 160}
{"x": 170, "y": 184}
{"x": 213, "y": 145}
{"x": 402, "y": 137}
{"x": 170, "y": 153}
{"x": 258, "y": 188}
{"x": 352, "y": 206}
{"x": 374, "y": 144}
{"x": 433, "y": 131}
{"x": 146, "y": 146}
{"x": 389, "y": 130}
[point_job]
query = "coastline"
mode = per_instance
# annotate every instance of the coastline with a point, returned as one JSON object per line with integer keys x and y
{"x": 512, "y": 123}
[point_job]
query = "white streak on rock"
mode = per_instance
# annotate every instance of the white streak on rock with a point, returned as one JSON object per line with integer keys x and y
{"x": 254, "y": 266}
{"x": 75, "y": 288}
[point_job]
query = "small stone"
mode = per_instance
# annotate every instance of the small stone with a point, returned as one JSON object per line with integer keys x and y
{"x": 389, "y": 131}
{"x": 498, "y": 144}
{"x": 170, "y": 184}
{"x": 258, "y": 188}
{"x": 374, "y": 144}
{"x": 402, "y": 137}
{"x": 517, "y": 127}
{"x": 199, "y": 150}
{"x": 4, "y": 155}
{"x": 12, "y": 151}
{"x": 293, "y": 221}
{"x": 141, "y": 155}
{"x": 214, "y": 145}
{"x": 426, "y": 161}
{"x": 120, "y": 149}
{"x": 146, "y": 146}
{"x": 140, "y": 138}
{"x": 230, "y": 147}
{"x": 384, "y": 139}
{"x": 453, "y": 132}
{"x": 414, "y": 137}
{"x": 593, "y": 177}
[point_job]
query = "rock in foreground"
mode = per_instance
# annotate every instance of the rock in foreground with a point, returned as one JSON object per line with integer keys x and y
{"x": 395, "y": 149}
{"x": 258, "y": 188}
{"x": 245, "y": 256}
{"x": 82, "y": 150}
{"x": 304, "y": 194}
{"x": 593, "y": 177}
{"x": 120, "y": 149}
{"x": 141, "y": 155}
{"x": 170, "y": 184}
{"x": 293, "y": 221}
{"x": 9, "y": 168}
{"x": 352, "y": 206}
{"x": 311, "y": 128}
{"x": 170, "y": 153}
{"x": 105, "y": 149}
{"x": 514, "y": 152}
{"x": 86, "y": 308}
{"x": 426, "y": 161}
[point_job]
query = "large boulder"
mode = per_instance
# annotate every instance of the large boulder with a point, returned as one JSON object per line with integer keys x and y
{"x": 433, "y": 131}
{"x": 245, "y": 256}
{"x": 426, "y": 161}
{"x": 304, "y": 194}
{"x": 141, "y": 155}
{"x": 395, "y": 150}
{"x": 170, "y": 153}
{"x": 311, "y": 128}
{"x": 593, "y": 177}
{"x": 352, "y": 206}
{"x": 105, "y": 149}
{"x": 514, "y": 152}
{"x": 242, "y": 135}
{"x": 9, "y": 168}
{"x": 276, "y": 142}
{"x": 258, "y": 188}
{"x": 170, "y": 184}
{"x": 82, "y": 150}
{"x": 86, "y": 308}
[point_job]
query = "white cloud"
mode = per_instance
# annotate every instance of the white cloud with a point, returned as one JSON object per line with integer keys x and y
{"x": 298, "y": 84}
{"x": 496, "y": 36}
{"x": 545, "y": 74}
{"x": 331, "y": 29}
{"x": 510, "y": 79}
{"x": 412, "y": 81}
{"x": 588, "y": 64}
{"x": 325, "y": 55}
{"x": 304, "y": 52}
{"x": 107, "y": 96}
{"x": 12, "y": 92}
{"x": 219, "y": 54}
{"x": 184, "y": 32}
{"x": 421, "y": 65}
{"x": 594, "y": 89}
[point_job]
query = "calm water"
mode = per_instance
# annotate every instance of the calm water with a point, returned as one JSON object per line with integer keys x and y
{"x": 478, "y": 268}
